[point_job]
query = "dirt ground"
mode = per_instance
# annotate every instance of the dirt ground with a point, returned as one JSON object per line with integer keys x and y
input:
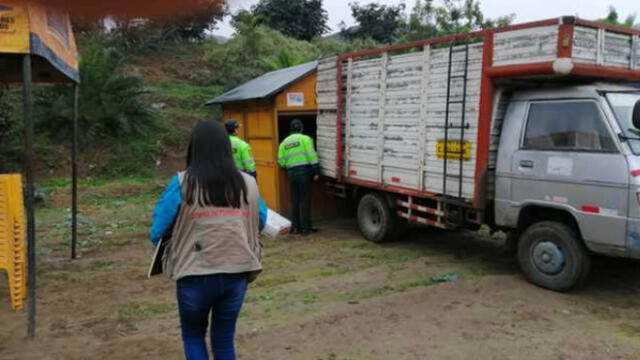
{"x": 333, "y": 296}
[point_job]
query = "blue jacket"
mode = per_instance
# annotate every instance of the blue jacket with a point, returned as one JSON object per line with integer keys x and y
{"x": 167, "y": 207}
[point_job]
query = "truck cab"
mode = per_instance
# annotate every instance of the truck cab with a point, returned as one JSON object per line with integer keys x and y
{"x": 568, "y": 179}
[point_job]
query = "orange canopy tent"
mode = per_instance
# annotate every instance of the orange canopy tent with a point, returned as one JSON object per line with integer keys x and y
{"x": 37, "y": 46}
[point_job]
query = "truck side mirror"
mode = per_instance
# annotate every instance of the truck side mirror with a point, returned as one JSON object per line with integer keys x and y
{"x": 635, "y": 115}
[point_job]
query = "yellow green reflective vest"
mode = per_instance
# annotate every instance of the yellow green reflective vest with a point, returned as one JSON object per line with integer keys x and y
{"x": 297, "y": 150}
{"x": 242, "y": 155}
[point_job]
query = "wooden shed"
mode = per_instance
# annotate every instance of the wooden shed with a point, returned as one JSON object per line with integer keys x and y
{"x": 265, "y": 107}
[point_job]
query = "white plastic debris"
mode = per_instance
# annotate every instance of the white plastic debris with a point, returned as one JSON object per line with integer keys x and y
{"x": 276, "y": 224}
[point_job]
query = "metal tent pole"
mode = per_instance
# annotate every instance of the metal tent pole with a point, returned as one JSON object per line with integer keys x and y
{"x": 74, "y": 173}
{"x": 28, "y": 167}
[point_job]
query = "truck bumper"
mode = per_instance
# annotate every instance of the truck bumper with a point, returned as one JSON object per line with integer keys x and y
{"x": 633, "y": 238}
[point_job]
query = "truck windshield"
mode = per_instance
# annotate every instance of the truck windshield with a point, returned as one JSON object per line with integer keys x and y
{"x": 622, "y": 105}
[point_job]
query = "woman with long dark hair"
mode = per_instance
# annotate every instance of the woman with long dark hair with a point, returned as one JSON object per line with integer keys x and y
{"x": 215, "y": 213}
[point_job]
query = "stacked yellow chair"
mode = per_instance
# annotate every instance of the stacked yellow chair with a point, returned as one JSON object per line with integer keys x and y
{"x": 12, "y": 238}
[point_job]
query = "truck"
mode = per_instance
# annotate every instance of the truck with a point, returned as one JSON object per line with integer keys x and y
{"x": 531, "y": 129}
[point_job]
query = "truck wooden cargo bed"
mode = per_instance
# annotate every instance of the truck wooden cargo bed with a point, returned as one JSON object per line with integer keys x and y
{"x": 423, "y": 119}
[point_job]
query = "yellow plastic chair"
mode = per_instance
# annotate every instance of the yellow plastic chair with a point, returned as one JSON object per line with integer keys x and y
{"x": 12, "y": 238}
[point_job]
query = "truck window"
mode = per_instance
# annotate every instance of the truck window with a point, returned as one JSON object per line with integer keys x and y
{"x": 567, "y": 126}
{"x": 622, "y": 106}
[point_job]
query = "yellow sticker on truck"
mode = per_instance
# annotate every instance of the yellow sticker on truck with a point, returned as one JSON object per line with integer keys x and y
{"x": 454, "y": 150}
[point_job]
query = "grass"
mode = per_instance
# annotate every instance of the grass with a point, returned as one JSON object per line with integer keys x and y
{"x": 302, "y": 279}
{"x": 112, "y": 213}
{"x": 139, "y": 311}
{"x": 135, "y": 312}
{"x": 187, "y": 91}
{"x": 102, "y": 182}
{"x": 387, "y": 289}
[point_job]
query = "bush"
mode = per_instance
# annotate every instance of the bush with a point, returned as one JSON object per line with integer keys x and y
{"x": 111, "y": 104}
{"x": 252, "y": 52}
{"x": 333, "y": 47}
{"x": 257, "y": 49}
{"x": 135, "y": 155}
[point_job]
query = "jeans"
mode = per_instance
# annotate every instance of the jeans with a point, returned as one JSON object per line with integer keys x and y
{"x": 301, "y": 185}
{"x": 220, "y": 295}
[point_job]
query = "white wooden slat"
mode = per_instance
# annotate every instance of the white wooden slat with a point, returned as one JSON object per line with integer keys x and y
{"x": 635, "y": 53}
{"x": 381, "y": 112}
{"x": 585, "y": 44}
{"x": 617, "y": 50}
{"x": 525, "y": 46}
{"x": 349, "y": 109}
{"x": 600, "y": 47}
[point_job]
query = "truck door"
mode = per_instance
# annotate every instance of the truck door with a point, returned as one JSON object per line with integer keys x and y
{"x": 568, "y": 159}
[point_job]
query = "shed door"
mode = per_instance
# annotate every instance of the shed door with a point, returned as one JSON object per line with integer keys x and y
{"x": 258, "y": 130}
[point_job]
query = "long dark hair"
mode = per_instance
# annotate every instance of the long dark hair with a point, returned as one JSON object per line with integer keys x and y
{"x": 212, "y": 178}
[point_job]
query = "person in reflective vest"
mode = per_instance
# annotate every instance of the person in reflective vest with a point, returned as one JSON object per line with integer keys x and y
{"x": 298, "y": 155}
{"x": 241, "y": 149}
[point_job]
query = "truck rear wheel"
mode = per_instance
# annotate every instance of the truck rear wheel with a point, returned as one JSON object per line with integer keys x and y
{"x": 376, "y": 220}
{"x": 552, "y": 256}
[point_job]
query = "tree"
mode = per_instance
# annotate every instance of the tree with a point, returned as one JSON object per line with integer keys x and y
{"x": 254, "y": 50}
{"x": 300, "y": 19}
{"x": 151, "y": 33}
{"x": 111, "y": 104}
{"x": 193, "y": 24}
{"x": 614, "y": 19}
{"x": 453, "y": 16}
{"x": 382, "y": 23}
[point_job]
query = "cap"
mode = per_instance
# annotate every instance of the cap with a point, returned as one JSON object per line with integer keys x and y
{"x": 231, "y": 125}
{"x": 296, "y": 125}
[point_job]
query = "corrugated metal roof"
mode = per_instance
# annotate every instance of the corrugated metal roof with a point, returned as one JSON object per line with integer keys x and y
{"x": 266, "y": 85}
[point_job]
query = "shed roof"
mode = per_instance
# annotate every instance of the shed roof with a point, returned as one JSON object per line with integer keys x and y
{"x": 266, "y": 85}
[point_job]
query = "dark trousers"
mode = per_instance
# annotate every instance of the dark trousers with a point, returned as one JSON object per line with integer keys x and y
{"x": 301, "y": 180}
{"x": 219, "y": 296}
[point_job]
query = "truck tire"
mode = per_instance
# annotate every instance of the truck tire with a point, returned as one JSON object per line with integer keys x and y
{"x": 552, "y": 256}
{"x": 376, "y": 220}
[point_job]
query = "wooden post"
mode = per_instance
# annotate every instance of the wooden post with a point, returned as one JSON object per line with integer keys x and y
{"x": 28, "y": 168}
{"x": 74, "y": 173}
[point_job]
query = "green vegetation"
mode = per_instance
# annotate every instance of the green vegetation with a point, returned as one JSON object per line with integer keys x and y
{"x": 453, "y": 16}
{"x": 613, "y": 18}
{"x": 139, "y": 311}
{"x": 383, "y": 23}
{"x": 10, "y": 131}
{"x": 145, "y": 83}
{"x": 428, "y": 18}
{"x": 299, "y": 19}
{"x": 148, "y": 35}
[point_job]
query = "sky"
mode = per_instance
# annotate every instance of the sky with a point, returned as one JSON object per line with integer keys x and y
{"x": 525, "y": 10}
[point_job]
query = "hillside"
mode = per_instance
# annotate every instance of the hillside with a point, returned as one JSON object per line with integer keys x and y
{"x": 177, "y": 93}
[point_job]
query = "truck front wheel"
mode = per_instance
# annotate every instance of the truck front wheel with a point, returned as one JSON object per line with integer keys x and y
{"x": 552, "y": 256}
{"x": 376, "y": 220}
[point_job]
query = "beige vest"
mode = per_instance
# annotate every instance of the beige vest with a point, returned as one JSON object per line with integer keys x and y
{"x": 211, "y": 240}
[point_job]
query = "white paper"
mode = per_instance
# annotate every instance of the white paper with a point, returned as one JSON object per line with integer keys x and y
{"x": 560, "y": 166}
{"x": 295, "y": 99}
{"x": 276, "y": 224}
